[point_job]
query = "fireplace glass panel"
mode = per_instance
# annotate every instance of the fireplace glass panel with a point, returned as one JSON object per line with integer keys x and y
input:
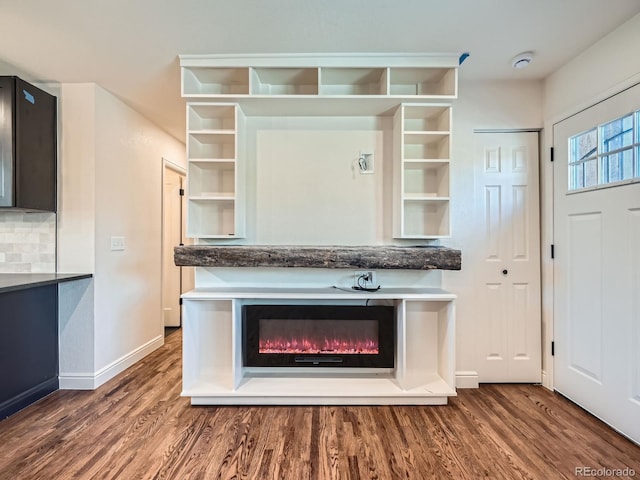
{"x": 318, "y": 335}
{"x": 321, "y": 337}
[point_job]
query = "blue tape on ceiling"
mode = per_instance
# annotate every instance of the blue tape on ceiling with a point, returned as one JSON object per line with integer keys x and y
{"x": 463, "y": 57}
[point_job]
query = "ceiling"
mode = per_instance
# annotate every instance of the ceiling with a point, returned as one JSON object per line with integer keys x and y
{"x": 131, "y": 47}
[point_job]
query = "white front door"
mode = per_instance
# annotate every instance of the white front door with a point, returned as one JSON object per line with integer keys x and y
{"x": 507, "y": 265}
{"x": 597, "y": 277}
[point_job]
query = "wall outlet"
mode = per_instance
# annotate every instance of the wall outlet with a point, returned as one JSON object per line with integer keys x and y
{"x": 364, "y": 279}
{"x": 117, "y": 244}
{"x": 365, "y": 162}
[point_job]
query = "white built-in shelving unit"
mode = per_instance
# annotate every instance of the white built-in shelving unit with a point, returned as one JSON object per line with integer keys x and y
{"x": 222, "y": 90}
{"x": 215, "y": 170}
{"x": 223, "y": 93}
{"x": 422, "y": 153}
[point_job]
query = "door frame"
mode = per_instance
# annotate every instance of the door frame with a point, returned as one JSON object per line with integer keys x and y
{"x": 166, "y": 164}
{"x": 547, "y": 206}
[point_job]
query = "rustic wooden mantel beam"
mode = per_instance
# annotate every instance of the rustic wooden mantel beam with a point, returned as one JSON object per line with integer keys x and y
{"x": 373, "y": 257}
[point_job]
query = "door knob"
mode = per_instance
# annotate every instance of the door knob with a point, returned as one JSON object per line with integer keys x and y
{"x": 505, "y": 271}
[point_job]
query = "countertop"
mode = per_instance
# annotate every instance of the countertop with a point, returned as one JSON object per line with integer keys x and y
{"x": 10, "y": 282}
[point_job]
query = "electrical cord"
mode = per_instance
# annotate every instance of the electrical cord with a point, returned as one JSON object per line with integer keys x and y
{"x": 364, "y": 289}
{"x": 361, "y": 282}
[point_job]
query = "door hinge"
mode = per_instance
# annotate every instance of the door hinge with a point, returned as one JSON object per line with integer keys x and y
{"x": 180, "y": 301}
{"x": 551, "y": 154}
{"x": 553, "y": 251}
{"x": 182, "y": 192}
{"x": 553, "y": 348}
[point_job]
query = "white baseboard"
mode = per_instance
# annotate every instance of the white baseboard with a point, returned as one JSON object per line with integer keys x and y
{"x": 467, "y": 380}
{"x": 91, "y": 381}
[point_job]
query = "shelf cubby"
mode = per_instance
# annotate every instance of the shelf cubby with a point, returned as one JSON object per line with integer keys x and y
{"x": 423, "y": 81}
{"x": 427, "y": 118}
{"x": 284, "y": 81}
{"x": 211, "y": 118}
{"x": 212, "y": 145}
{"x": 353, "y": 81}
{"x": 426, "y": 218}
{"x": 426, "y": 178}
{"x": 204, "y": 81}
{"x": 212, "y": 179}
{"x": 426, "y": 145}
{"x": 212, "y": 218}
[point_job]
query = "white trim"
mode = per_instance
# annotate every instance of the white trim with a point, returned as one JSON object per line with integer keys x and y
{"x": 322, "y": 60}
{"x": 172, "y": 166}
{"x": 91, "y": 381}
{"x": 468, "y": 379}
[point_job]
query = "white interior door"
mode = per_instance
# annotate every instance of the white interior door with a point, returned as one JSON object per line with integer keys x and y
{"x": 172, "y": 226}
{"x": 507, "y": 265}
{"x": 597, "y": 279}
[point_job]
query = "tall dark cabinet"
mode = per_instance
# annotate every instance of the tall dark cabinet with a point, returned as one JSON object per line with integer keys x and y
{"x": 28, "y": 146}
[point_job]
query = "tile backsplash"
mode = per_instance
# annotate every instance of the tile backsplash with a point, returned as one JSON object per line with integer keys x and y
{"x": 27, "y": 242}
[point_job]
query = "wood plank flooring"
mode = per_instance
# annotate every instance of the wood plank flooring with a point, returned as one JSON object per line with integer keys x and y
{"x": 138, "y": 427}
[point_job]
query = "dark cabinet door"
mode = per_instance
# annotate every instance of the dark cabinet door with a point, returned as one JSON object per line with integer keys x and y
{"x": 35, "y": 148}
{"x": 28, "y": 146}
{"x": 28, "y": 346}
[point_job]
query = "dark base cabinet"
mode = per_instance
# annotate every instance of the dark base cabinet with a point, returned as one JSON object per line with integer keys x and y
{"x": 28, "y": 346}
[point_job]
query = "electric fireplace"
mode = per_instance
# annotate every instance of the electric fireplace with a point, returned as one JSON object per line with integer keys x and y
{"x": 318, "y": 336}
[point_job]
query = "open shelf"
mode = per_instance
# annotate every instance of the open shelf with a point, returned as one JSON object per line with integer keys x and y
{"x": 426, "y": 178}
{"x": 425, "y": 81}
{"x": 353, "y": 81}
{"x": 212, "y": 145}
{"x": 284, "y": 81}
{"x": 208, "y": 117}
{"x": 426, "y": 145}
{"x": 204, "y": 81}
{"x": 426, "y": 218}
{"x": 212, "y": 218}
{"x": 212, "y": 178}
{"x": 427, "y": 118}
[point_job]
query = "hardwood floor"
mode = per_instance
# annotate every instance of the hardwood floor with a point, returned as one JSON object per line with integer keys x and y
{"x": 138, "y": 427}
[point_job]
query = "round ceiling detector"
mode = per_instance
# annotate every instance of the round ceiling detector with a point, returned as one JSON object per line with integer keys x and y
{"x": 522, "y": 60}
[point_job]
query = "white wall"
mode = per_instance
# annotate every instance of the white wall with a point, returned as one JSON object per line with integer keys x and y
{"x": 111, "y": 171}
{"x": 304, "y": 185}
{"x": 607, "y": 67}
{"x": 481, "y": 105}
{"x": 594, "y": 72}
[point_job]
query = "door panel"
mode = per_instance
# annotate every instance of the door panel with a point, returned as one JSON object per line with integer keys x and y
{"x": 596, "y": 287}
{"x": 508, "y": 270}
